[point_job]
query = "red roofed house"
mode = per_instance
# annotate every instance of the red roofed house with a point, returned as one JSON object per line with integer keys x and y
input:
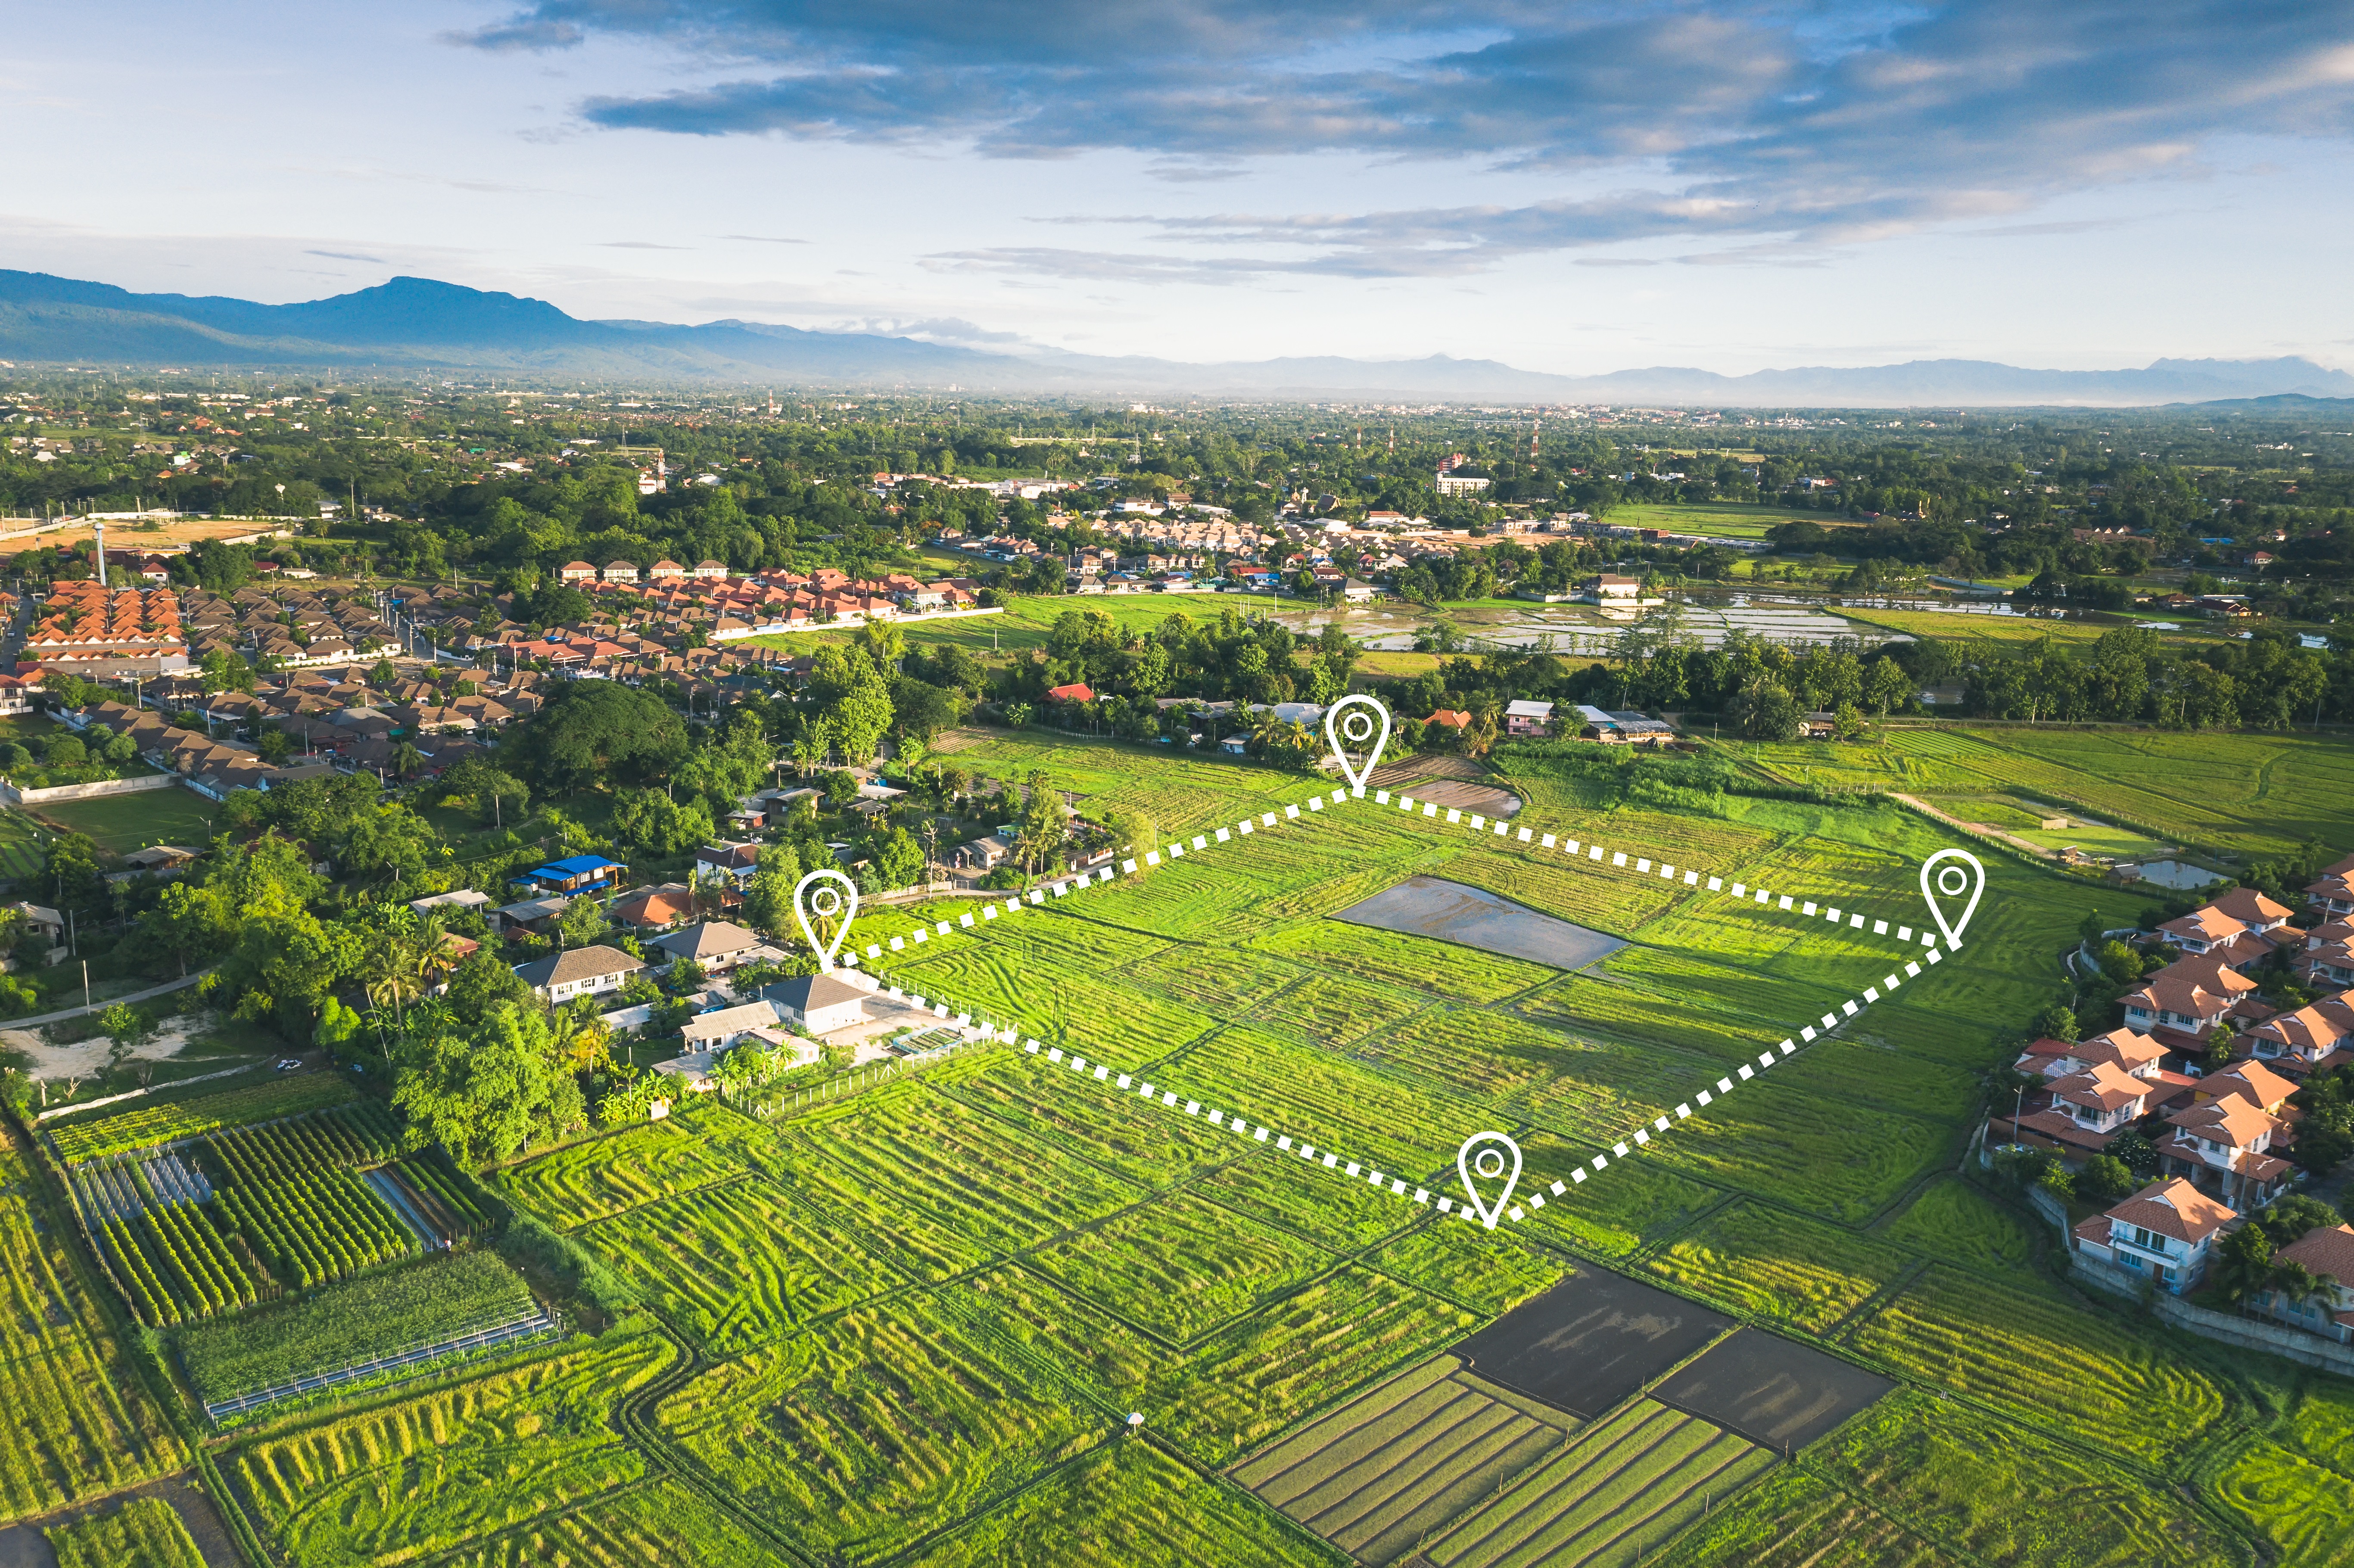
{"x": 575, "y": 572}
{"x": 1452, "y": 719}
{"x": 2181, "y": 1004}
{"x": 665, "y": 571}
{"x": 652, "y": 909}
{"x": 1076, "y": 692}
{"x": 2327, "y": 1250}
{"x": 2167, "y": 1230}
{"x": 621, "y": 572}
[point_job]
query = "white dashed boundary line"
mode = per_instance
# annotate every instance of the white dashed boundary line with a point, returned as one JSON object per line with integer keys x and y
{"x": 1589, "y": 852}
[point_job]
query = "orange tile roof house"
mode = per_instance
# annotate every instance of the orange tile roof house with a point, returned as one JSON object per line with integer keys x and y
{"x": 2326, "y": 1250}
{"x": 2301, "y": 1041}
{"x": 575, "y": 572}
{"x": 2088, "y": 1108}
{"x": 2333, "y": 893}
{"x": 652, "y": 909}
{"x": 2228, "y": 1148}
{"x": 1076, "y": 692}
{"x": 2167, "y": 1230}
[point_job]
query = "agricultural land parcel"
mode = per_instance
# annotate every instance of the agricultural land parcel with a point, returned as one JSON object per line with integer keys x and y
{"x": 1011, "y": 1262}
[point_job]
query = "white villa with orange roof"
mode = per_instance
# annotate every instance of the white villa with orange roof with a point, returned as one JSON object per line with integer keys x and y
{"x": 2167, "y": 1231}
{"x": 2327, "y": 1253}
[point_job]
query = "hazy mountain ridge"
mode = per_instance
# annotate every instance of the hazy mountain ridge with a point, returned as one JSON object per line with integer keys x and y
{"x": 418, "y": 323}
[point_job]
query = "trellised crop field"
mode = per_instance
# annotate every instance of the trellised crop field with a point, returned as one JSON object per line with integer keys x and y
{"x": 992, "y": 1310}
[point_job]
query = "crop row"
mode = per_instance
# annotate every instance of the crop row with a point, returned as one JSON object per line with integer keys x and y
{"x": 346, "y": 1135}
{"x": 177, "y": 1267}
{"x": 150, "y": 1125}
{"x": 319, "y": 1227}
{"x": 145, "y": 1531}
{"x": 125, "y": 1187}
{"x": 427, "y": 1179}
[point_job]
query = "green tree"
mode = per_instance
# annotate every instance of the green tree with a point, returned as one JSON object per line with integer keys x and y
{"x": 899, "y": 860}
{"x": 582, "y": 923}
{"x": 769, "y": 901}
{"x": 2105, "y": 1180}
{"x": 602, "y": 734}
{"x": 1887, "y": 687}
{"x": 2055, "y": 1022}
{"x": 485, "y": 1090}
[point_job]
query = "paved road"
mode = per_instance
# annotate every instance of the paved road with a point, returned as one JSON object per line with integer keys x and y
{"x": 47, "y": 1018}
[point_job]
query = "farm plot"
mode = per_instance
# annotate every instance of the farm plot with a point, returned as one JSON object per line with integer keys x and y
{"x": 1382, "y": 1473}
{"x": 863, "y": 1439}
{"x": 662, "y": 1522}
{"x": 1258, "y": 1375}
{"x": 78, "y": 1426}
{"x": 2303, "y": 1512}
{"x": 1337, "y": 1212}
{"x": 1616, "y": 1493}
{"x": 92, "y": 1138}
{"x": 1179, "y": 1266}
{"x": 937, "y": 1184}
{"x": 1775, "y": 1141}
{"x": 1397, "y": 959}
{"x": 1996, "y": 1493}
{"x": 418, "y": 1477}
{"x": 1138, "y": 1143}
{"x": 1793, "y": 1519}
{"x": 1775, "y": 1264}
{"x": 1124, "y": 1506}
{"x": 1060, "y": 1005}
{"x": 142, "y": 1533}
{"x": 178, "y": 1267}
{"x": 1556, "y": 1080}
{"x": 1326, "y": 1100}
{"x": 1956, "y": 1221}
{"x": 1220, "y": 979}
{"x": 583, "y": 1182}
{"x": 359, "y": 1321}
{"x": 315, "y": 1228}
{"x": 2074, "y": 1370}
{"x": 1487, "y": 1271}
{"x": 43, "y": 1306}
{"x": 1590, "y": 1341}
{"x": 347, "y": 1137}
{"x": 737, "y": 1264}
{"x": 1336, "y": 1011}
{"x": 1772, "y": 1391}
{"x": 1610, "y": 1218}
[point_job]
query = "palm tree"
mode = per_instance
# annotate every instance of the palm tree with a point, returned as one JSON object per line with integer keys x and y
{"x": 407, "y": 760}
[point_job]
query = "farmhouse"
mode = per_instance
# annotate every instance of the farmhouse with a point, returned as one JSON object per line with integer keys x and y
{"x": 578, "y": 971}
{"x": 818, "y": 1003}
{"x": 1528, "y": 718}
{"x": 574, "y": 875}
{"x": 654, "y": 909}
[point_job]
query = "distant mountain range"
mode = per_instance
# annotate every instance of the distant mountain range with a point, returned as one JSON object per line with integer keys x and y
{"x": 415, "y": 323}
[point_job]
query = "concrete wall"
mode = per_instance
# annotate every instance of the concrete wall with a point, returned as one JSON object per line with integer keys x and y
{"x": 16, "y": 797}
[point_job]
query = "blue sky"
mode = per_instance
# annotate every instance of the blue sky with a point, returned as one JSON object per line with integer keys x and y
{"x": 1567, "y": 188}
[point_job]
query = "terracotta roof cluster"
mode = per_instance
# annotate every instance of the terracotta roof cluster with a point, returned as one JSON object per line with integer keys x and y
{"x": 82, "y": 620}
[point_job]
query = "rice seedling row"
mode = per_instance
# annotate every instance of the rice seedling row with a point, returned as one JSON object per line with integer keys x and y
{"x": 586, "y": 1182}
{"x": 142, "y": 1533}
{"x": 1179, "y": 1266}
{"x": 1775, "y": 1264}
{"x": 661, "y": 1521}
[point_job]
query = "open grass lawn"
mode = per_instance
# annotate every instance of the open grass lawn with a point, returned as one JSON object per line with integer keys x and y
{"x": 21, "y": 848}
{"x": 1029, "y": 623}
{"x": 1725, "y": 520}
{"x": 125, "y": 822}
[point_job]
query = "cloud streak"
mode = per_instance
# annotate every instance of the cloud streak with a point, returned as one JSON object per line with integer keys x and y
{"x": 1765, "y": 133}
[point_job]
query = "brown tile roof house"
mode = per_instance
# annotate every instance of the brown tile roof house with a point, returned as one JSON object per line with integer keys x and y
{"x": 2251, "y": 1081}
{"x": 2251, "y": 908}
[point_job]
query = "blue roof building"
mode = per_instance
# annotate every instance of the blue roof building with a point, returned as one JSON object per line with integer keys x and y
{"x": 573, "y": 873}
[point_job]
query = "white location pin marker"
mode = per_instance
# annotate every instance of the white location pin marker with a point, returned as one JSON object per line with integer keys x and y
{"x": 1492, "y": 1158}
{"x": 1943, "y": 876}
{"x": 1357, "y": 723}
{"x": 829, "y": 896}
